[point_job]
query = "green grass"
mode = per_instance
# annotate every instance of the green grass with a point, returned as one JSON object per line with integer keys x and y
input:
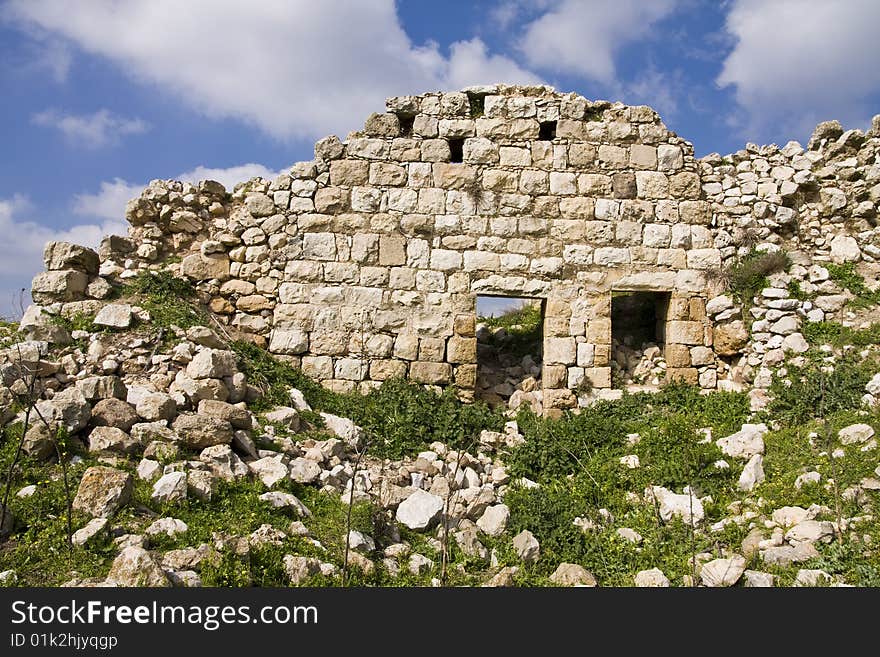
{"x": 171, "y": 301}
{"x": 838, "y": 335}
{"x": 848, "y": 278}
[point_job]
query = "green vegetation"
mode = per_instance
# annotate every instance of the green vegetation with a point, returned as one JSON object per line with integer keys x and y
{"x": 79, "y": 322}
{"x": 848, "y": 278}
{"x": 748, "y": 276}
{"x": 813, "y": 391}
{"x": 838, "y": 335}
{"x": 170, "y": 300}
{"x": 523, "y": 329}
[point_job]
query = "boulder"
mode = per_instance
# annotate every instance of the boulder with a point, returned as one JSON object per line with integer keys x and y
{"x": 784, "y": 555}
{"x": 723, "y": 572}
{"x": 360, "y": 542}
{"x": 169, "y": 488}
{"x": 299, "y": 569}
{"x": 111, "y": 439}
{"x": 526, "y": 546}
{"x": 855, "y": 433}
{"x": 114, "y": 315}
{"x": 281, "y": 500}
{"x": 95, "y": 388}
{"x": 494, "y": 520}
{"x": 745, "y": 443}
{"x": 810, "y": 531}
{"x": 270, "y": 470}
{"x": 91, "y": 529}
{"x": 571, "y": 574}
{"x": 212, "y": 364}
{"x": 752, "y": 474}
{"x": 653, "y": 578}
{"x": 812, "y": 578}
{"x": 167, "y": 526}
{"x": 687, "y": 507}
{"x": 199, "y": 431}
{"x": 114, "y": 412}
{"x": 224, "y": 463}
{"x": 39, "y": 441}
{"x": 757, "y": 579}
{"x": 845, "y": 248}
{"x": 346, "y": 430}
{"x": 156, "y": 406}
{"x": 136, "y": 567}
{"x": 102, "y": 491}
{"x": 420, "y": 510}
{"x": 66, "y": 255}
{"x": 304, "y": 471}
{"x": 237, "y": 416}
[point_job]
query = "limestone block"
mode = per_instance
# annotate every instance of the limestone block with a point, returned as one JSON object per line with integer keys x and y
{"x": 349, "y": 173}
{"x": 560, "y": 351}
{"x": 682, "y": 332}
{"x": 461, "y": 350}
{"x": 381, "y": 370}
{"x": 687, "y": 375}
{"x": 431, "y": 373}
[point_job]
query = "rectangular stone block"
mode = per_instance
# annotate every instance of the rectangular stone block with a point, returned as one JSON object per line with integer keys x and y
{"x": 677, "y": 355}
{"x": 600, "y": 377}
{"x": 554, "y": 376}
{"x": 461, "y": 350}
{"x": 381, "y": 370}
{"x": 684, "y": 374}
{"x": 689, "y": 333}
{"x": 392, "y": 250}
{"x": 560, "y": 351}
{"x": 430, "y": 373}
{"x": 466, "y": 376}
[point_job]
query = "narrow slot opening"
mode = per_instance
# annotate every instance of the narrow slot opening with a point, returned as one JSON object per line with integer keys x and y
{"x": 456, "y": 150}
{"x": 547, "y": 131}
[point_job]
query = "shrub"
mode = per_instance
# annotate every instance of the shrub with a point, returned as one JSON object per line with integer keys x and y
{"x": 808, "y": 392}
{"x": 169, "y": 300}
{"x": 275, "y": 377}
{"x": 748, "y": 276}
{"x": 838, "y": 335}
{"x": 403, "y": 417}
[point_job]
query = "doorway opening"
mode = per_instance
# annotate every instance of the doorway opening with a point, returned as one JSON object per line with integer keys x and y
{"x": 510, "y": 341}
{"x": 638, "y": 336}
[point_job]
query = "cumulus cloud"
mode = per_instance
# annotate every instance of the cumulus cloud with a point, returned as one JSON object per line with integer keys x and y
{"x": 792, "y": 66}
{"x": 295, "y": 68}
{"x": 90, "y": 130}
{"x": 21, "y": 258}
{"x": 581, "y": 37}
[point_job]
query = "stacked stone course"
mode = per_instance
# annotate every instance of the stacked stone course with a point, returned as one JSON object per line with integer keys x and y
{"x": 365, "y": 263}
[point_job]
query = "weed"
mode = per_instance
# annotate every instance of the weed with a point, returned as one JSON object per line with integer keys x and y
{"x": 170, "y": 300}
{"x": 748, "y": 276}
{"x": 847, "y": 277}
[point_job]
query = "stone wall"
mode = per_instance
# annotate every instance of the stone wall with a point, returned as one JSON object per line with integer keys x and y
{"x": 365, "y": 263}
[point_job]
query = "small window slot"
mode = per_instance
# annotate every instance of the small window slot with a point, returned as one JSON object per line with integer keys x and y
{"x": 547, "y": 131}
{"x": 456, "y": 150}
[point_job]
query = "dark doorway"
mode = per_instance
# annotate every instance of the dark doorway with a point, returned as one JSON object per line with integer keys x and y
{"x": 510, "y": 340}
{"x": 638, "y": 328}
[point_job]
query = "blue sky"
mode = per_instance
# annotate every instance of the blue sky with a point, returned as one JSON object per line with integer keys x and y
{"x": 101, "y": 96}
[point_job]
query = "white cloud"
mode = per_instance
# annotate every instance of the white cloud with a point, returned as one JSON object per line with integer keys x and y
{"x": 795, "y": 65}
{"x": 91, "y": 130}
{"x": 21, "y": 258}
{"x": 109, "y": 202}
{"x": 581, "y": 37}
{"x": 295, "y": 68}
{"x": 230, "y": 176}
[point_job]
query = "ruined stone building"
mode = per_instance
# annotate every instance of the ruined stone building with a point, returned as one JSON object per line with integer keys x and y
{"x": 366, "y": 263}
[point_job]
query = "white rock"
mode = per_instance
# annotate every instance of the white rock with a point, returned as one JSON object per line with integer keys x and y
{"x": 687, "y": 507}
{"x": 810, "y": 531}
{"x": 345, "y": 429}
{"x": 789, "y": 516}
{"x": 420, "y": 510}
{"x": 653, "y": 578}
{"x": 752, "y": 474}
{"x": 494, "y": 520}
{"x": 360, "y": 542}
{"x": 812, "y": 578}
{"x": 167, "y": 526}
{"x": 114, "y": 315}
{"x": 873, "y": 386}
{"x": 855, "y": 433}
{"x": 757, "y": 579}
{"x": 723, "y": 572}
{"x": 745, "y": 443}
{"x": 92, "y": 528}
{"x": 270, "y": 470}
{"x": 280, "y": 500}
{"x": 718, "y": 304}
{"x": 304, "y": 471}
{"x": 526, "y": 546}
{"x": 298, "y": 400}
{"x": 630, "y": 535}
{"x": 845, "y": 248}
{"x": 807, "y": 478}
{"x": 795, "y": 343}
{"x": 170, "y": 487}
{"x": 630, "y": 461}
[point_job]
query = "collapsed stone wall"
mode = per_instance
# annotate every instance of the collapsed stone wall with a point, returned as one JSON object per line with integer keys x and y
{"x": 365, "y": 263}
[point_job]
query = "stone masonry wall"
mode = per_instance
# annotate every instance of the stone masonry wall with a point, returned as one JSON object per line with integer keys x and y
{"x": 365, "y": 263}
